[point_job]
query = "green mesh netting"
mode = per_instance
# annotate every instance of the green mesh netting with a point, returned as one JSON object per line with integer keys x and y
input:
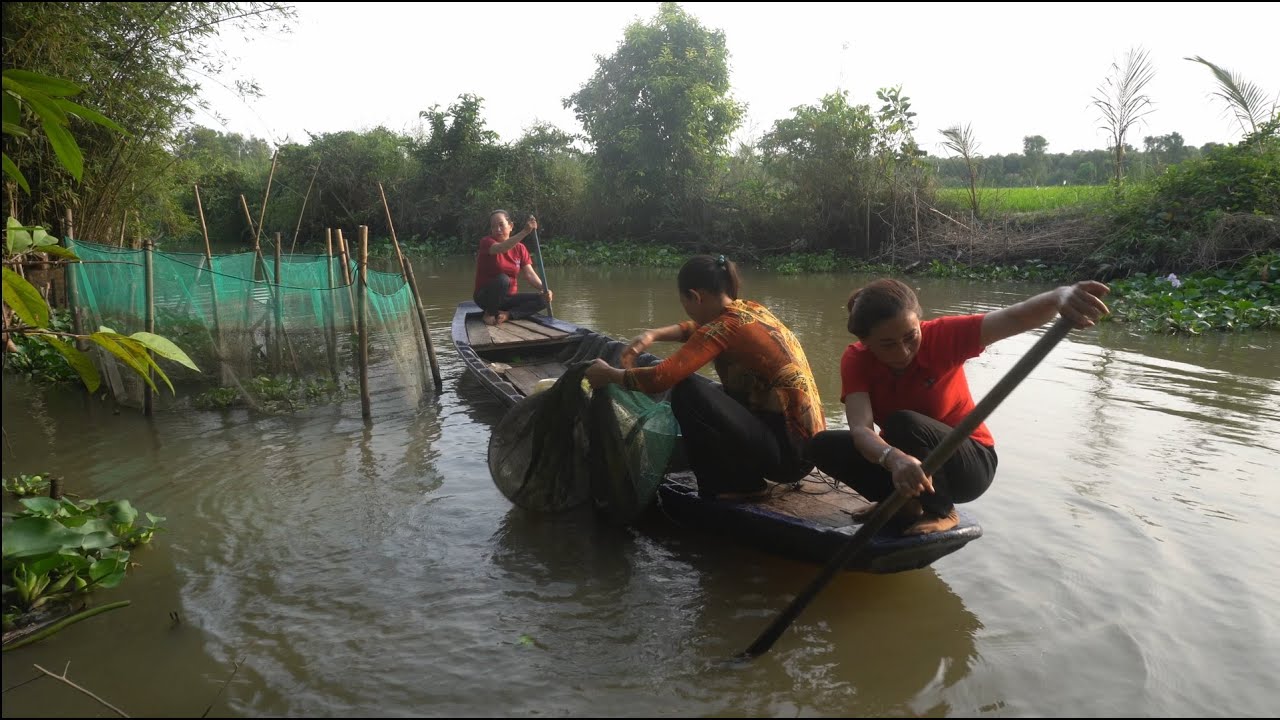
{"x": 240, "y": 320}
{"x": 562, "y": 447}
{"x": 631, "y": 440}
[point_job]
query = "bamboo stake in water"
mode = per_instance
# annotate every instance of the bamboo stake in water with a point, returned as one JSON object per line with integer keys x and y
{"x": 406, "y": 269}
{"x": 73, "y": 299}
{"x": 213, "y": 291}
{"x": 362, "y": 317}
{"x": 147, "y": 400}
{"x": 278, "y": 301}
{"x": 331, "y": 331}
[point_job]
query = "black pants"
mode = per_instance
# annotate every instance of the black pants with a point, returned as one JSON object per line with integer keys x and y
{"x": 494, "y": 297}
{"x": 730, "y": 448}
{"x": 962, "y": 478}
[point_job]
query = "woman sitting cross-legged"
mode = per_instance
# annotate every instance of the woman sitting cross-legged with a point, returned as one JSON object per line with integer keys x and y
{"x": 500, "y": 260}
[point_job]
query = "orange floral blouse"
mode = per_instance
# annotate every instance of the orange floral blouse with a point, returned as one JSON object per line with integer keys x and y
{"x": 758, "y": 359}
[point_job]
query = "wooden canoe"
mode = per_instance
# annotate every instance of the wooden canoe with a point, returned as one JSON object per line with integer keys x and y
{"x": 809, "y": 521}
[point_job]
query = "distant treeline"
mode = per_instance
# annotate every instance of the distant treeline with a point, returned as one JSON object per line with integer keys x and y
{"x": 1035, "y": 166}
{"x": 653, "y": 162}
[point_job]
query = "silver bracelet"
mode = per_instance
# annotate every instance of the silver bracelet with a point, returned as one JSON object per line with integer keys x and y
{"x": 888, "y": 449}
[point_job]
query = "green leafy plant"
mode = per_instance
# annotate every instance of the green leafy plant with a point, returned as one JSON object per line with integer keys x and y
{"x": 47, "y": 98}
{"x": 1226, "y": 301}
{"x": 271, "y": 394}
{"x": 26, "y": 485}
{"x": 54, "y": 549}
{"x": 27, "y": 313}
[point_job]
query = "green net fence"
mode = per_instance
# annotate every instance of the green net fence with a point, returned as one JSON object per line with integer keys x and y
{"x": 265, "y": 336}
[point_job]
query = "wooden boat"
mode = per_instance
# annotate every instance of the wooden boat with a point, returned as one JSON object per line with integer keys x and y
{"x": 809, "y": 520}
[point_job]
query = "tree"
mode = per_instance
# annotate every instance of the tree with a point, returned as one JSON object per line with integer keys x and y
{"x": 224, "y": 166}
{"x": 825, "y": 157}
{"x": 137, "y": 60}
{"x": 962, "y": 142}
{"x": 1033, "y": 147}
{"x": 1086, "y": 173}
{"x": 1122, "y": 103}
{"x": 461, "y": 168}
{"x": 659, "y": 115}
{"x": 1174, "y": 147}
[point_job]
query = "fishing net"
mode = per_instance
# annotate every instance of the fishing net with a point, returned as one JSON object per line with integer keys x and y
{"x": 537, "y": 451}
{"x": 568, "y": 445}
{"x": 632, "y": 438}
{"x": 264, "y": 336}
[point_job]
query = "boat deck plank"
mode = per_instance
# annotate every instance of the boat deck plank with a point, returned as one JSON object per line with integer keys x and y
{"x": 524, "y": 377}
{"x": 513, "y": 333}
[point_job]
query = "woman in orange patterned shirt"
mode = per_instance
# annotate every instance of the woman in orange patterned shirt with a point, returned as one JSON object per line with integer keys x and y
{"x": 758, "y": 424}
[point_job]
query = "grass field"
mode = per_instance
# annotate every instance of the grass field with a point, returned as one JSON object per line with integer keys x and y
{"x": 1026, "y": 199}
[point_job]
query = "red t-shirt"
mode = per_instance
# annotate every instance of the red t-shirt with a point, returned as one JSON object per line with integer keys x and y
{"x": 933, "y": 384}
{"x": 490, "y": 266}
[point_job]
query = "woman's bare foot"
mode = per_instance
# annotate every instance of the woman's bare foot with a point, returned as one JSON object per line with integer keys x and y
{"x": 490, "y": 319}
{"x": 933, "y": 523}
{"x": 503, "y": 316}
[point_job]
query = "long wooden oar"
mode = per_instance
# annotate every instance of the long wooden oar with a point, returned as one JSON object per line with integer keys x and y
{"x": 890, "y": 506}
{"x": 542, "y": 271}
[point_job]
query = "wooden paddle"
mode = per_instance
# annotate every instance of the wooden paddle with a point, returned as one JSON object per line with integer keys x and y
{"x": 542, "y": 271}
{"x": 890, "y": 506}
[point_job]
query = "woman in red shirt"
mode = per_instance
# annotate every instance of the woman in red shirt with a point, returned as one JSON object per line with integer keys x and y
{"x": 756, "y": 425}
{"x": 907, "y": 376}
{"x": 500, "y": 260}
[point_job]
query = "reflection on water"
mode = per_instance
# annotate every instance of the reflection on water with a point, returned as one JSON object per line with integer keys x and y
{"x": 672, "y": 611}
{"x": 1127, "y": 564}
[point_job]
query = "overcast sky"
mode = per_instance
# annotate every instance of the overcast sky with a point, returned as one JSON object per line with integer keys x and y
{"x": 1009, "y": 69}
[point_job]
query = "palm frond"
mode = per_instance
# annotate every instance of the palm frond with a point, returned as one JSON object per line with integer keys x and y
{"x": 1244, "y": 99}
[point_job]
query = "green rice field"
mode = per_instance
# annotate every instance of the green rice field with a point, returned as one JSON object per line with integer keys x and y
{"x": 1026, "y": 199}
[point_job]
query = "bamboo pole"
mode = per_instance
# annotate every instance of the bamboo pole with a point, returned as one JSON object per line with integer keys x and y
{"x": 272, "y": 289}
{"x": 866, "y": 240}
{"x": 915, "y": 204}
{"x": 278, "y": 301}
{"x": 363, "y": 318}
{"x": 244, "y": 205}
{"x": 262, "y": 213}
{"x": 213, "y": 289}
{"x": 345, "y": 252}
{"x": 345, "y": 256}
{"x": 406, "y": 269}
{"x": 73, "y": 299}
{"x": 331, "y": 331}
{"x": 303, "y": 211}
{"x": 422, "y": 319}
{"x": 147, "y": 247}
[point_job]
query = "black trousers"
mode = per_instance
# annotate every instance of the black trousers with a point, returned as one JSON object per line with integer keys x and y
{"x": 963, "y": 478}
{"x": 494, "y": 297}
{"x": 730, "y": 448}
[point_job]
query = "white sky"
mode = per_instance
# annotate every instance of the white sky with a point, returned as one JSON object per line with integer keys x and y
{"x": 1012, "y": 69}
